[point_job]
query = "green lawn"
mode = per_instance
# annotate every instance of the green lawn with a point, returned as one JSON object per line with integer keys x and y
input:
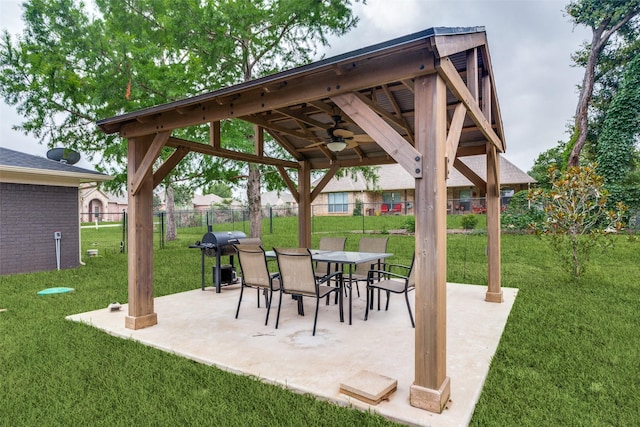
{"x": 569, "y": 354}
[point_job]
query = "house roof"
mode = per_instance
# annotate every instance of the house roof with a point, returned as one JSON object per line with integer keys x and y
{"x": 205, "y": 200}
{"x": 394, "y": 177}
{"x": 276, "y": 198}
{"x": 26, "y": 168}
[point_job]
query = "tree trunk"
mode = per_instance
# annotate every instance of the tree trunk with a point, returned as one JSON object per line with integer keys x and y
{"x": 171, "y": 216}
{"x": 599, "y": 40}
{"x": 586, "y": 92}
{"x": 254, "y": 202}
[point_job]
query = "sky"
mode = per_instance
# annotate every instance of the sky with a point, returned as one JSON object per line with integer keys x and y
{"x": 530, "y": 43}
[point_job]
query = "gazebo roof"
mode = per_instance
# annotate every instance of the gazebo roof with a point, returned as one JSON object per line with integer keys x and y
{"x": 298, "y": 106}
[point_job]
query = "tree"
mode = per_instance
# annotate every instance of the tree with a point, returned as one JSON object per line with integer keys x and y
{"x": 576, "y": 215}
{"x": 72, "y": 67}
{"x": 615, "y": 149}
{"x": 553, "y": 157}
{"x": 605, "y": 18}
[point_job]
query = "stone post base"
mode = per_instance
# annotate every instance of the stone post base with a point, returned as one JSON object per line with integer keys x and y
{"x": 140, "y": 322}
{"x": 494, "y": 297}
{"x": 430, "y": 399}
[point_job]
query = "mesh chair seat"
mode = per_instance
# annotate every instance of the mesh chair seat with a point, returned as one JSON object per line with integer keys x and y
{"x": 255, "y": 274}
{"x": 298, "y": 278}
{"x": 385, "y": 280}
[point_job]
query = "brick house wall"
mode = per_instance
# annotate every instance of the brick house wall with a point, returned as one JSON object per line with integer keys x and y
{"x": 29, "y": 215}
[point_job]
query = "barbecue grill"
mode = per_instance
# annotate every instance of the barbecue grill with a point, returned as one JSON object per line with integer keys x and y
{"x": 217, "y": 245}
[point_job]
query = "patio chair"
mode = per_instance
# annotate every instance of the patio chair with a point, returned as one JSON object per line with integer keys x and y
{"x": 298, "y": 278}
{"x": 361, "y": 271}
{"x": 255, "y": 274}
{"x": 388, "y": 281}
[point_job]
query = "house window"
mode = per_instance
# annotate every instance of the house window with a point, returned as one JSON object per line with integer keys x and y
{"x": 338, "y": 202}
{"x": 391, "y": 201}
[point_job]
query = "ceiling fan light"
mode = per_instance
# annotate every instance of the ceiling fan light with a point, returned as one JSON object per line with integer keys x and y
{"x": 336, "y": 146}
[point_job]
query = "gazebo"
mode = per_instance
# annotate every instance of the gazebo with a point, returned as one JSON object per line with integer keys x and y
{"x": 421, "y": 101}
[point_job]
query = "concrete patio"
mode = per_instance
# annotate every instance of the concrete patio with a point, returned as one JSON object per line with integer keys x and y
{"x": 201, "y": 326}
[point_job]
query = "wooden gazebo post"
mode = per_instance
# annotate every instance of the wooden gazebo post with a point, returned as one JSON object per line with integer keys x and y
{"x": 140, "y": 232}
{"x": 431, "y": 387}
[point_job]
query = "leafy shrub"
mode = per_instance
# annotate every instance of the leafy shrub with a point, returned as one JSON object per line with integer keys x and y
{"x": 521, "y": 214}
{"x": 357, "y": 209}
{"x": 576, "y": 215}
{"x": 409, "y": 224}
{"x": 469, "y": 221}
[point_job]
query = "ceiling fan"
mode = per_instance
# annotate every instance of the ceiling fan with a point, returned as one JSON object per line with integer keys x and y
{"x": 340, "y": 138}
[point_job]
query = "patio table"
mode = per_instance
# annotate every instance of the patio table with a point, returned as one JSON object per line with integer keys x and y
{"x": 343, "y": 258}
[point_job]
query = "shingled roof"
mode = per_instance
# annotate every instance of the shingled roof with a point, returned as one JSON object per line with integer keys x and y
{"x": 394, "y": 177}
{"x": 12, "y": 161}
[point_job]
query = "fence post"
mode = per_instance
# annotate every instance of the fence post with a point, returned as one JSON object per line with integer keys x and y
{"x": 270, "y": 219}
{"x": 362, "y": 211}
{"x": 124, "y": 231}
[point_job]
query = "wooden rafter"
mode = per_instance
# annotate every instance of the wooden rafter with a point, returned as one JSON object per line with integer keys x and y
{"x": 149, "y": 158}
{"x": 392, "y": 142}
{"x": 228, "y": 154}
{"x": 453, "y": 137}
{"x": 398, "y": 111}
{"x": 470, "y": 175}
{"x": 455, "y": 83}
{"x": 169, "y": 164}
{"x": 324, "y": 181}
{"x": 368, "y": 73}
{"x": 289, "y": 183}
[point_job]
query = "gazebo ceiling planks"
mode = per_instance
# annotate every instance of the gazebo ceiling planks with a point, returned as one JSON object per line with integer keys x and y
{"x": 297, "y": 106}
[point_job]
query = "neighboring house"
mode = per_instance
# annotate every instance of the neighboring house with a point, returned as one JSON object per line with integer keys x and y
{"x": 203, "y": 202}
{"x": 98, "y": 205}
{"x": 277, "y": 199}
{"x": 394, "y": 192}
{"x": 39, "y": 197}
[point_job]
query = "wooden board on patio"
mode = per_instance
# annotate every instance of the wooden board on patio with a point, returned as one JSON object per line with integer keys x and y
{"x": 369, "y": 387}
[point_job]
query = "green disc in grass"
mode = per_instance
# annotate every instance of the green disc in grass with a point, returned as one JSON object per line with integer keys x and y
{"x": 49, "y": 291}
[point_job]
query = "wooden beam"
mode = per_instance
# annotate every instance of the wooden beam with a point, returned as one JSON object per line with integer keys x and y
{"x": 448, "y": 45}
{"x": 381, "y": 111}
{"x": 284, "y": 142}
{"x": 303, "y": 118}
{"x": 228, "y": 154}
{"x": 453, "y": 137}
{"x": 324, "y": 181}
{"x": 304, "y": 205}
{"x": 290, "y": 185}
{"x": 214, "y": 135}
{"x": 375, "y": 160}
{"x": 472, "y": 73}
{"x": 145, "y": 167}
{"x": 382, "y": 132}
{"x": 470, "y": 175}
{"x": 495, "y": 109}
{"x": 364, "y": 73}
{"x": 457, "y": 86}
{"x": 494, "y": 290}
{"x": 431, "y": 387}
{"x": 258, "y": 140}
{"x": 140, "y": 234}
{"x": 398, "y": 112}
{"x": 473, "y": 150}
{"x": 169, "y": 164}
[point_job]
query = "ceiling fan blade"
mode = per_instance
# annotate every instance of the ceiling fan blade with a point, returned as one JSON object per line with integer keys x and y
{"x": 351, "y": 143}
{"x": 342, "y": 133}
{"x": 362, "y": 138}
{"x": 315, "y": 144}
